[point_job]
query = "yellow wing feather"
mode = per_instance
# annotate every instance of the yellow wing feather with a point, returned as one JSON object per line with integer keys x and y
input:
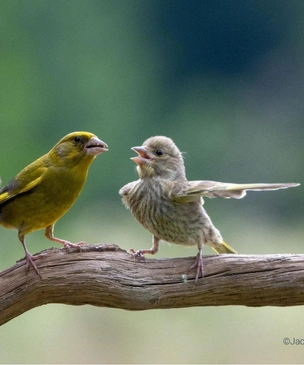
{"x": 26, "y": 180}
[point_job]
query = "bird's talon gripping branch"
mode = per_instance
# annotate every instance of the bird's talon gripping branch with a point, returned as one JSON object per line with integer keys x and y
{"x": 30, "y": 262}
{"x": 138, "y": 255}
{"x": 200, "y": 266}
{"x": 77, "y": 245}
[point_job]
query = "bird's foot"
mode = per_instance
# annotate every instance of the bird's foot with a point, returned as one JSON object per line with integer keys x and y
{"x": 200, "y": 266}
{"x": 138, "y": 255}
{"x": 30, "y": 262}
{"x": 68, "y": 244}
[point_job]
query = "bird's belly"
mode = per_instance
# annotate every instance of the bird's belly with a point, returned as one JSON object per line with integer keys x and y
{"x": 34, "y": 210}
{"x": 180, "y": 223}
{"x": 175, "y": 223}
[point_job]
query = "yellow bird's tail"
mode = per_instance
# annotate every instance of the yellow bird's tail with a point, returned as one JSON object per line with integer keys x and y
{"x": 223, "y": 247}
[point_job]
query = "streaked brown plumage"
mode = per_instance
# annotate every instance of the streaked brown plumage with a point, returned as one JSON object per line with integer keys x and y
{"x": 170, "y": 206}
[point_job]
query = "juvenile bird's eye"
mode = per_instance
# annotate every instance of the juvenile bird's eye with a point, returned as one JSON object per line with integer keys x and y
{"x": 77, "y": 139}
{"x": 159, "y": 152}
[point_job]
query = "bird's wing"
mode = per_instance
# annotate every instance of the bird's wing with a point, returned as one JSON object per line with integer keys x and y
{"x": 125, "y": 190}
{"x": 191, "y": 190}
{"x": 26, "y": 180}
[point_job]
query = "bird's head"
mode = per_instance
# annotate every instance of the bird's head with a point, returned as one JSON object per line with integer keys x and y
{"x": 76, "y": 147}
{"x": 159, "y": 157}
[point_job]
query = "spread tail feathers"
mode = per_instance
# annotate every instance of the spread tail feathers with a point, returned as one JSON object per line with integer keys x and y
{"x": 223, "y": 248}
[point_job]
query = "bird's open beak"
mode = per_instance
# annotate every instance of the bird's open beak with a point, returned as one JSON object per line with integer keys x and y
{"x": 143, "y": 157}
{"x": 95, "y": 146}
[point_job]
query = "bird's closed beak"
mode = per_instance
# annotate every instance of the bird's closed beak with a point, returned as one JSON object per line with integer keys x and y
{"x": 95, "y": 146}
{"x": 143, "y": 157}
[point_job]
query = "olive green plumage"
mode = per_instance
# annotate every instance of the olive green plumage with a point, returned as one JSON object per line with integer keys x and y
{"x": 46, "y": 189}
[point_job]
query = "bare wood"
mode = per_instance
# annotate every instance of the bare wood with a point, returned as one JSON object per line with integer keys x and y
{"x": 107, "y": 276}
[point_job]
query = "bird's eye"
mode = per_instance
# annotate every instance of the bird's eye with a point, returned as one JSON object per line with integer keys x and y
{"x": 77, "y": 139}
{"x": 159, "y": 152}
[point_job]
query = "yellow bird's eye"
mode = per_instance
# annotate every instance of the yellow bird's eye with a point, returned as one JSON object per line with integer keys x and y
{"x": 77, "y": 139}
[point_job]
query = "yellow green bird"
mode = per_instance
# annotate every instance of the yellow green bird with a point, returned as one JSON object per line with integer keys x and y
{"x": 47, "y": 188}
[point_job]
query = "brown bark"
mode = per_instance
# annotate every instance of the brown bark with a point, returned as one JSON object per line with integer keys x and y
{"x": 107, "y": 276}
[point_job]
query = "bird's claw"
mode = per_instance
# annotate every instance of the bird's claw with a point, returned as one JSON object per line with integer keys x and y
{"x": 138, "y": 255}
{"x": 30, "y": 262}
{"x": 200, "y": 267}
{"x": 77, "y": 245}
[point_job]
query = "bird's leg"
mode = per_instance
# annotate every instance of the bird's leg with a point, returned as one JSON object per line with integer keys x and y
{"x": 49, "y": 233}
{"x": 29, "y": 257}
{"x": 199, "y": 264}
{"x": 153, "y": 250}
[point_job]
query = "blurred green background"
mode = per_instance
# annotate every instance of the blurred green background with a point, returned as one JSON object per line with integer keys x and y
{"x": 225, "y": 80}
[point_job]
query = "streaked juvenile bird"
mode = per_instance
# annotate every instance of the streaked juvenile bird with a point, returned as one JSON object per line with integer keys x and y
{"x": 46, "y": 189}
{"x": 171, "y": 207}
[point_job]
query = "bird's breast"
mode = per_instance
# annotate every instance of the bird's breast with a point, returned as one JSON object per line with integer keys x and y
{"x": 168, "y": 220}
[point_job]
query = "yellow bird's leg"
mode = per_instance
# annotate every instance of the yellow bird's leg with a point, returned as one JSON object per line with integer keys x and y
{"x": 153, "y": 250}
{"x": 199, "y": 264}
{"x": 49, "y": 233}
{"x": 29, "y": 257}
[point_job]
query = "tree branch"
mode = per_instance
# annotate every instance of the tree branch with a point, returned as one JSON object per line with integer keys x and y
{"x": 107, "y": 276}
